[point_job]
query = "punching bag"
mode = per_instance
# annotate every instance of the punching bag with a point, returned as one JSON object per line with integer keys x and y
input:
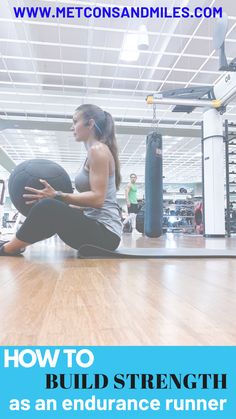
{"x": 153, "y": 186}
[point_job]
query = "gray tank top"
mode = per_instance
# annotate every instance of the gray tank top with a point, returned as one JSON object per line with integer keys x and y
{"x": 109, "y": 213}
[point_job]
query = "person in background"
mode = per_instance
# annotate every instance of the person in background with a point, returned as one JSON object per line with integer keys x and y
{"x": 131, "y": 192}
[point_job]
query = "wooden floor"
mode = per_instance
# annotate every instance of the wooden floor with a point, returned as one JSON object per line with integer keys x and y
{"x": 49, "y": 297}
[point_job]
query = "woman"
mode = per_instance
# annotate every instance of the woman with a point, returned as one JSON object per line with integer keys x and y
{"x": 90, "y": 217}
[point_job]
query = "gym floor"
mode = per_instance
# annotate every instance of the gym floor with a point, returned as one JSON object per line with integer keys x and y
{"x": 49, "y": 297}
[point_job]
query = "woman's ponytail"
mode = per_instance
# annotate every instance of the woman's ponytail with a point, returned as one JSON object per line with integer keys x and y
{"x": 104, "y": 128}
{"x": 110, "y": 141}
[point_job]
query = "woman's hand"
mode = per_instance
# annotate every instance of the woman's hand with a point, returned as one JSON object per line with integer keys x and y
{"x": 37, "y": 194}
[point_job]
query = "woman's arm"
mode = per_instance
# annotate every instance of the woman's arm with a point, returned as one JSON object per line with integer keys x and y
{"x": 98, "y": 160}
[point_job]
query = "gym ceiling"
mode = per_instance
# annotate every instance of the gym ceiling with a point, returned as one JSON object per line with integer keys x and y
{"x": 48, "y": 67}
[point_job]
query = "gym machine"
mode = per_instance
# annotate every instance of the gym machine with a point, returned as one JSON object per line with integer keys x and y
{"x": 213, "y": 100}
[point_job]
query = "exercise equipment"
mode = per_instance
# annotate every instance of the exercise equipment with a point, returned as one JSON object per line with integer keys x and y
{"x": 153, "y": 186}
{"x": 28, "y": 173}
{"x": 214, "y": 100}
{"x": 94, "y": 252}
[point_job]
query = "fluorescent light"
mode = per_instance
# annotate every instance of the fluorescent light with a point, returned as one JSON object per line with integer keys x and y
{"x": 44, "y": 150}
{"x": 130, "y": 50}
{"x": 143, "y": 42}
{"x": 40, "y": 141}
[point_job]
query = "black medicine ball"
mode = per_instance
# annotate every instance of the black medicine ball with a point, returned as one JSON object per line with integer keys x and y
{"x": 28, "y": 173}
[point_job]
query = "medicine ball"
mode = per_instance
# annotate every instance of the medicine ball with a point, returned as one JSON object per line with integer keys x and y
{"x": 28, "y": 173}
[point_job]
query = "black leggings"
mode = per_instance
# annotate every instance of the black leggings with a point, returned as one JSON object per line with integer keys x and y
{"x": 49, "y": 216}
{"x": 133, "y": 209}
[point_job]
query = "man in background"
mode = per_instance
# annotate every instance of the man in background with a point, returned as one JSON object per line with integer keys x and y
{"x": 131, "y": 200}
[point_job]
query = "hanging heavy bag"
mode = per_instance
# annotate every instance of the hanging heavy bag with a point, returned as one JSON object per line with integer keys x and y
{"x": 153, "y": 186}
